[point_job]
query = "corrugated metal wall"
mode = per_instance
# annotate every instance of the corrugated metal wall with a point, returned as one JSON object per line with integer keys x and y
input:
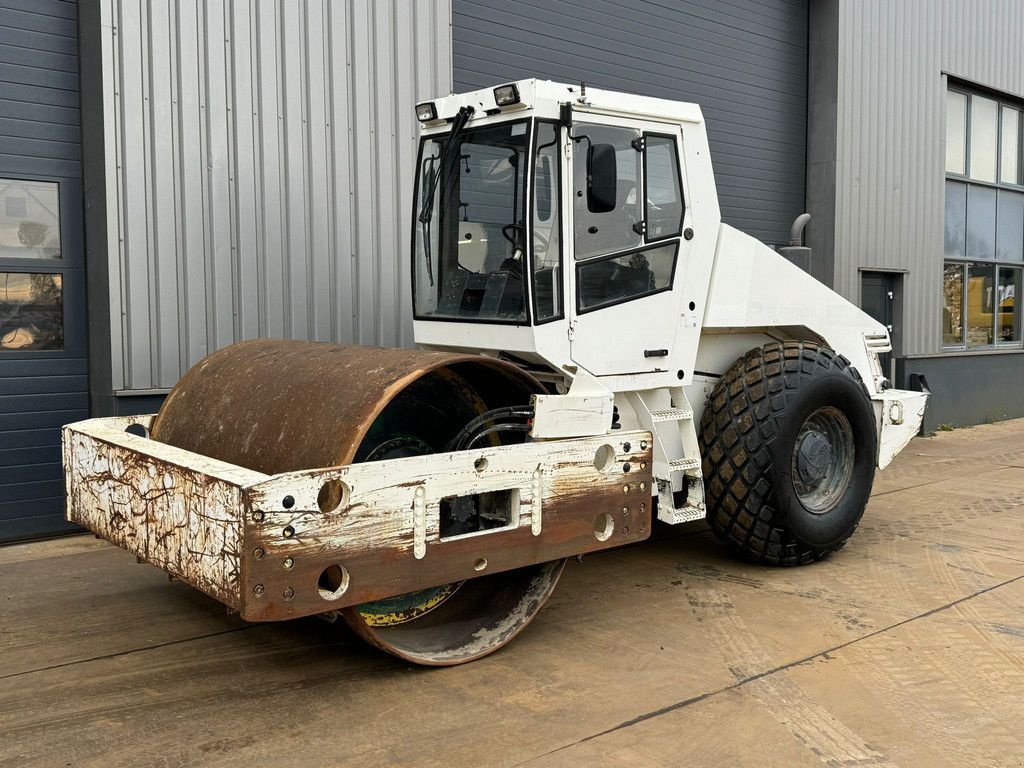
{"x": 261, "y": 159}
{"x": 743, "y": 61}
{"x": 891, "y": 122}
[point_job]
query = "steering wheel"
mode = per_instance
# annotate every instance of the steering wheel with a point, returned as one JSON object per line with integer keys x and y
{"x": 512, "y": 233}
{"x": 515, "y": 233}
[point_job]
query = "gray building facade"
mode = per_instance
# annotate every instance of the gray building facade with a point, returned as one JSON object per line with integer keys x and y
{"x": 211, "y": 171}
{"x": 249, "y": 170}
{"x": 900, "y": 95}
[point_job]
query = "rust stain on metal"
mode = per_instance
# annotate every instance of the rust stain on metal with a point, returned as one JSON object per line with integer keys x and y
{"x": 169, "y": 508}
{"x": 279, "y": 405}
{"x": 374, "y": 536}
{"x": 224, "y": 530}
{"x": 223, "y": 496}
{"x": 485, "y": 640}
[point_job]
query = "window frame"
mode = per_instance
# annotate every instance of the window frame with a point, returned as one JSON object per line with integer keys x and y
{"x": 965, "y": 178}
{"x": 674, "y": 138}
{"x": 592, "y": 120}
{"x": 30, "y": 270}
{"x": 527, "y": 214}
{"x": 53, "y": 262}
{"x": 646, "y": 243}
{"x": 1019, "y": 109}
{"x": 36, "y": 265}
{"x": 580, "y": 310}
{"x": 1001, "y": 101}
{"x": 556, "y": 207}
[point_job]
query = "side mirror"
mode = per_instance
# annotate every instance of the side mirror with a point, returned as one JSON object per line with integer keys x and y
{"x": 602, "y": 178}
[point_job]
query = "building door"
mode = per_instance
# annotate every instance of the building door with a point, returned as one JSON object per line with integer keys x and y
{"x": 877, "y": 296}
{"x": 43, "y": 360}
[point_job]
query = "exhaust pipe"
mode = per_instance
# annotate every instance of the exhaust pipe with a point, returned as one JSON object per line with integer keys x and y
{"x": 795, "y": 251}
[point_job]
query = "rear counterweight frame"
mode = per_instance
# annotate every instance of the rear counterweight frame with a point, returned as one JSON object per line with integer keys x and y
{"x": 260, "y": 543}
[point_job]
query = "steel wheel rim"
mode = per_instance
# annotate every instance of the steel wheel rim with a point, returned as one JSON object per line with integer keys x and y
{"x": 823, "y": 460}
{"x": 460, "y": 621}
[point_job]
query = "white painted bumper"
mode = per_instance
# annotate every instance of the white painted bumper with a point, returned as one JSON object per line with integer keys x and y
{"x": 898, "y": 414}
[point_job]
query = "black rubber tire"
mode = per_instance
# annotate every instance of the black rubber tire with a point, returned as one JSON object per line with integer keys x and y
{"x": 748, "y": 433}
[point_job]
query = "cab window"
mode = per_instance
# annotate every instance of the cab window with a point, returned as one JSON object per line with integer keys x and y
{"x": 547, "y": 224}
{"x": 470, "y": 228}
{"x": 600, "y": 232}
{"x": 612, "y": 280}
{"x": 663, "y": 204}
{"x": 627, "y": 244}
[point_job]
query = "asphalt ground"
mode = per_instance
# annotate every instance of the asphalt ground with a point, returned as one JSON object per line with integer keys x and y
{"x": 904, "y": 649}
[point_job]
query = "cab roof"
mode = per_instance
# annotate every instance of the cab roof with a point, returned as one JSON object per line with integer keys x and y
{"x": 543, "y": 98}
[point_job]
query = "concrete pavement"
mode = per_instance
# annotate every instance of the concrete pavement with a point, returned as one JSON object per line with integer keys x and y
{"x": 905, "y": 649}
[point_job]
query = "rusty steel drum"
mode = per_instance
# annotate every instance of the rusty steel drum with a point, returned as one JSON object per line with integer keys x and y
{"x": 278, "y": 406}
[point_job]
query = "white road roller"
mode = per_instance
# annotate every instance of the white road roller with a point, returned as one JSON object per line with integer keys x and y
{"x": 598, "y": 350}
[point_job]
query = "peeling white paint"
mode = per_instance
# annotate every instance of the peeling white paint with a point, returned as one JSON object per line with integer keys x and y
{"x": 190, "y": 515}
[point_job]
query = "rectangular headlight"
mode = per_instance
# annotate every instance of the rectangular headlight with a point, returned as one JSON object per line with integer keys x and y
{"x": 506, "y": 94}
{"x": 426, "y": 112}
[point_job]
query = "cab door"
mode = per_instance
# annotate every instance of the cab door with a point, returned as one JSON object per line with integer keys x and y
{"x": 627, "y": 251}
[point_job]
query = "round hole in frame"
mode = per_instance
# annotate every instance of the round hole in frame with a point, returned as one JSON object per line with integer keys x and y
{"x": 333, "y": 582}
{"x": 332, "y": 495}
{"x": 604, "y": 526}
{"x": 480, "y": 464}
{"x": 604, "y": 458}
{"x": 480, "y": 564}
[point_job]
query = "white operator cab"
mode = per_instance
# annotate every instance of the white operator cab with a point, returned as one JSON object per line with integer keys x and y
{"x": 577, "y": 233}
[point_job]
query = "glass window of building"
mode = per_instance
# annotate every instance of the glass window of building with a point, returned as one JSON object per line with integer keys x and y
{"x": 29, "y": 219}
{"x": 31, "y": 312}
{"x": 984, "y": 227}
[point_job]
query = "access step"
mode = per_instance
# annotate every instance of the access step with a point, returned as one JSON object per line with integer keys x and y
{"x": 676, "y": 516}
{"x": 672, "y": 414}
{"x": 684, "y": 465}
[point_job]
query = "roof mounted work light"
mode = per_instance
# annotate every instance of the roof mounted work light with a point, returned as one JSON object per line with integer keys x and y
{"x": 505, "y": 95}
{"x": 426, "y": 112}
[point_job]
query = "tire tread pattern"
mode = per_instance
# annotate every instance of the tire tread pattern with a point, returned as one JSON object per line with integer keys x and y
{"x": 737, "y": 428}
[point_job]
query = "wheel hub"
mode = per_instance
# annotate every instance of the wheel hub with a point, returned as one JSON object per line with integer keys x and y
{"x": 814, "y": 456}
{"x": 823, "y": 459}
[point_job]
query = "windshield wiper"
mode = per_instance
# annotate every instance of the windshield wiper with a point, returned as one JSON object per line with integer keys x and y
{"x": 458, "y": 124}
